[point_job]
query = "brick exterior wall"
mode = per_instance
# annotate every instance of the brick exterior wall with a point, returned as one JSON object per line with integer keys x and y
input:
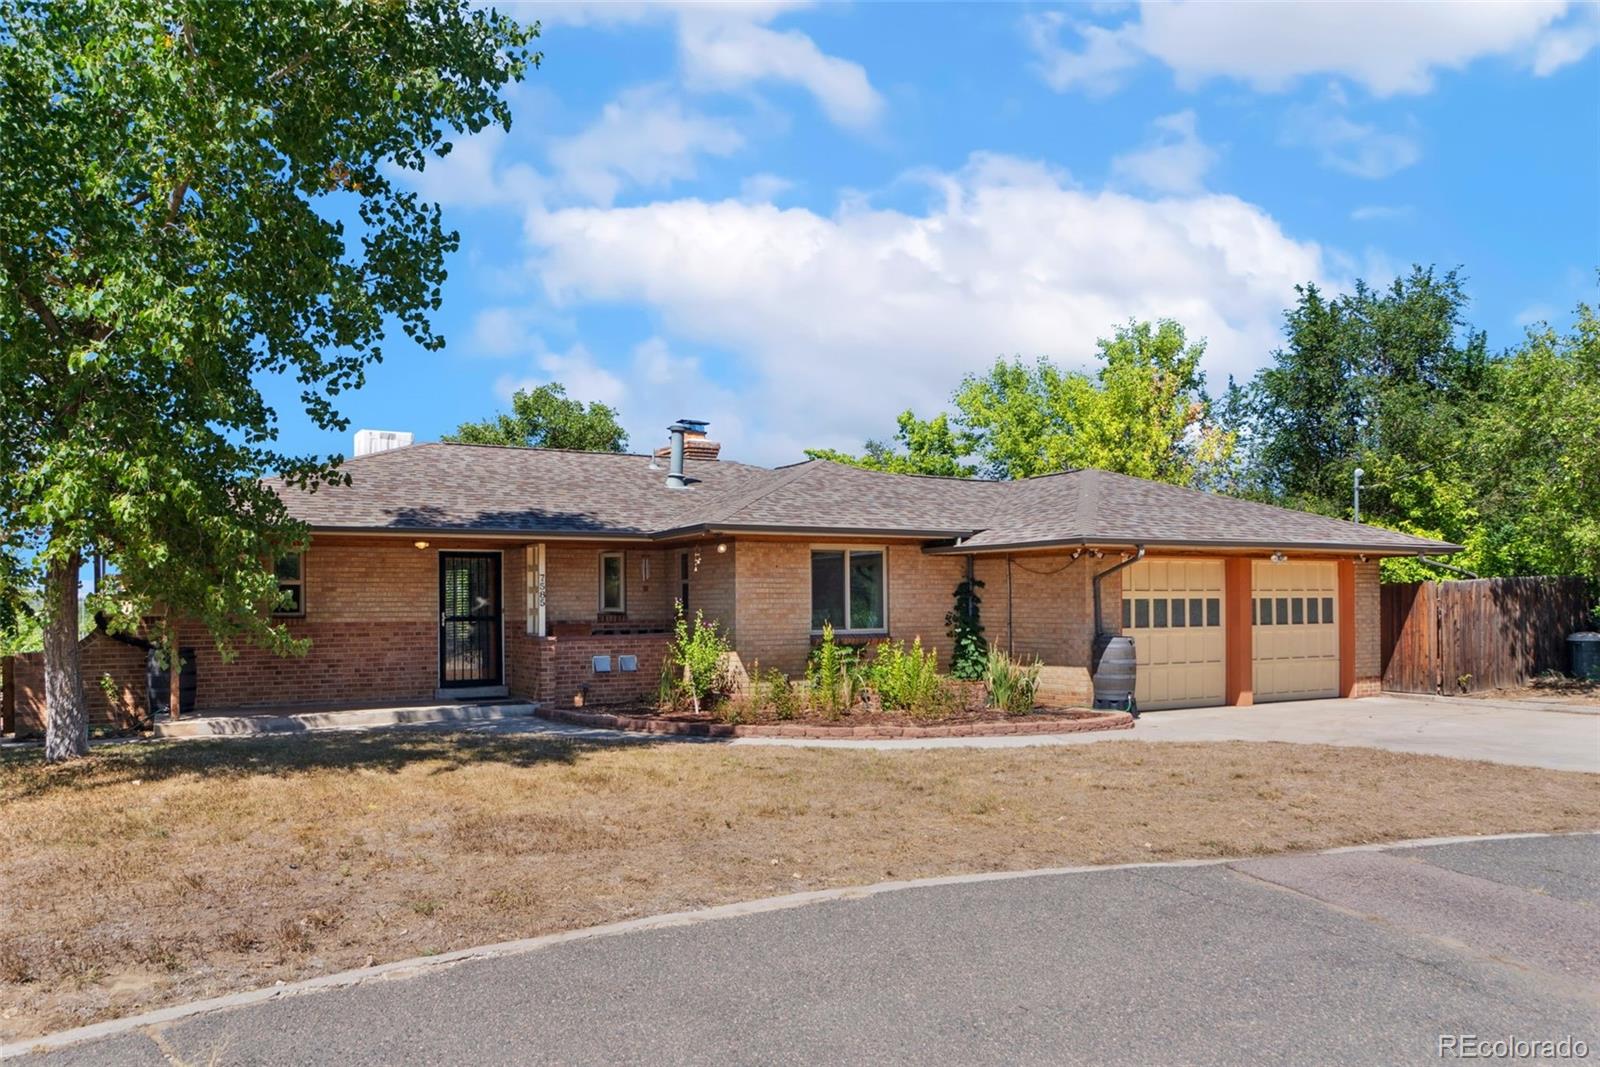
{"x": 101, "y": 656}
{"x": 1369, "y": 634}
{"x": 565, "y": 667}
{"x": 1050, "y": 609}
{"x": 372, "y": 618}
{"x": 572, "y": 584}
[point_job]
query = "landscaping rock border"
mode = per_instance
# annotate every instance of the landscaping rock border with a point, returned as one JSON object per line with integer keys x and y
{"x": 645, "y": 724}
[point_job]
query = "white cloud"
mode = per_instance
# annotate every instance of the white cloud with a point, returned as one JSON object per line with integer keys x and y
{"x": 475, "y": 175}
{"x": 1387, "y": 47}
{"x": 726, "y": 47}
{"x": 503, "y": 331}
{"x": 1175, "y": 161}
{"x": 644, "y": 138}
{"x": 1356, "y": 148}
{"x": 576, "y": 368}
{"x": 839, "y": 321}
{"x": 730, "y": 53}
{"x": 1097, "y": 67}
{"x": 650, "y": 387}
{"x": 762, "y": 188}
{"x": 1382, "y": 213}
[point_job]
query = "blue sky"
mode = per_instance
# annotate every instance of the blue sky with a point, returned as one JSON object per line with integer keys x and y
{"x": 796, "y": 221}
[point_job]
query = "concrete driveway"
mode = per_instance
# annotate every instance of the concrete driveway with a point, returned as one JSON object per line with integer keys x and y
{"x": 1527, "y": 735}
{"x": 1373, "y": 956}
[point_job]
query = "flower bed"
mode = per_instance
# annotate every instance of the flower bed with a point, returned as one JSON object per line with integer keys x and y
{"x": 855, "y": 725}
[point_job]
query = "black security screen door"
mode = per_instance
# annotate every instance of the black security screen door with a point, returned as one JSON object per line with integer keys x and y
{"x": 469, "y": 619}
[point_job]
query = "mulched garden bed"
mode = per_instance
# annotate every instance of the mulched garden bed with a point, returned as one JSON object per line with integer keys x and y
{"x": 875, "y": 725}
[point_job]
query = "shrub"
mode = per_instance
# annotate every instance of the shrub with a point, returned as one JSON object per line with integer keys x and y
{"x": 1013, "y": 686}
{"x": 832, "y": 675}
{"x": 969, "y": 649}
{"x": 905, "y": 680}
{"x": 700, "y": 654}
{"x": 777, "y": 692}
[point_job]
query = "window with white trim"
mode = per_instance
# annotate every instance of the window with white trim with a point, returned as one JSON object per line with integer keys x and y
{"x": 613, "y": 583}
{"x": 848, "y": 587}
{"x": 290, "y": 571}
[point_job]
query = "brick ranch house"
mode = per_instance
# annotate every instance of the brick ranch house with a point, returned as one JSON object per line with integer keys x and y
{"x": 450, "y": 570}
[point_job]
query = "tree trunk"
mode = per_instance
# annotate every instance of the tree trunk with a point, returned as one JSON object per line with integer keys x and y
{"x": 175, "y": 680}
{"x": 66, "y": 732}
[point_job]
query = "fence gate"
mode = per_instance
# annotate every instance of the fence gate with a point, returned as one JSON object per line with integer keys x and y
{"x": 1487, "y": 633}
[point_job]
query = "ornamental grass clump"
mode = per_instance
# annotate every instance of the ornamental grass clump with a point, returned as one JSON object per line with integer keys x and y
{"x": 1013, "y": 686}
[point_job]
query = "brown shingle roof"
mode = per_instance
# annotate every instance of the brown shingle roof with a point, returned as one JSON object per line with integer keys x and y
{"x": 477, "y": 488}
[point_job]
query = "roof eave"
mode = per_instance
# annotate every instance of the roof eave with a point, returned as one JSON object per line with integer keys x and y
{"x": 1436, "y": 548}
{"x": 792, "y": 530}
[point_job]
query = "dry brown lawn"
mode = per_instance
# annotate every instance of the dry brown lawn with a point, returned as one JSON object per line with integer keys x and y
{"x": 150, "y": 874}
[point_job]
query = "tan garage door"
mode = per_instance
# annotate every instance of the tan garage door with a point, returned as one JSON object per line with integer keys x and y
{"x": 1173, "y": 611}
{"x": 1295, "y": 638}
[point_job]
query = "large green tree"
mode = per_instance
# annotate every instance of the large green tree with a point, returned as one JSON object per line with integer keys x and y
{"x": 1533, "y": 456}
{"x": 545, "y": 417}
{"x": 1383, "y": 379}
{"x": 198, "y": 197}
{"x": 1144, "y": 411}
{"x": 920, "y": 446}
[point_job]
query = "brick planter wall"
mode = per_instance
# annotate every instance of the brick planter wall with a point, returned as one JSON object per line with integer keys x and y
{"x": 565, "y": 668}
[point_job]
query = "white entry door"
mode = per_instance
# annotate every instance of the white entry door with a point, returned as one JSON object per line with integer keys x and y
{"x": 1172, "y": 609}
{"x": 1295, "y": 636}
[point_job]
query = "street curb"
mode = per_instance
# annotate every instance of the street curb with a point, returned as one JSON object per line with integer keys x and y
{"x": 420, "y": 965}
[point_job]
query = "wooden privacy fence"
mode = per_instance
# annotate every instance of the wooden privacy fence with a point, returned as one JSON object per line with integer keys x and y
{"x": 1461, "y": 637}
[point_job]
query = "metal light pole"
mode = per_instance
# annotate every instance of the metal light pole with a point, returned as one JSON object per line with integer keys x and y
{"x": 1359, "y": 473}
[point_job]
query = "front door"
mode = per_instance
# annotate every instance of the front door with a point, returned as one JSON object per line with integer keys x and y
{"x": 469, "y": 619}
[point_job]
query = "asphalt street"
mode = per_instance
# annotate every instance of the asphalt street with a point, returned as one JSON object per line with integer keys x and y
{"x": 1352, "y": 958}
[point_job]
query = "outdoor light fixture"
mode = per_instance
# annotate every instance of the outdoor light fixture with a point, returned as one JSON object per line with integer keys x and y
{"x": 722, "y": 547}
{"x": 420, "y": 544}
{"x": 1279, "y": 557}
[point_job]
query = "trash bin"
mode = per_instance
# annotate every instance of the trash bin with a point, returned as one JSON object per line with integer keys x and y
{"x": 1585, "y": 649}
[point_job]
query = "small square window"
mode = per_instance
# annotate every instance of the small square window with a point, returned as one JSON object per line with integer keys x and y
{"x": 1177, "y": 611}
{"x": 1141, "y": 613}
{"x": 1311, "y": 610}
{"x": 1263, "y": 611}
{"x": 1283, "y": 611}
{"x": 1197, "y": 614}
{"x": 1161, "y": 612}
{"x": 1127, "y": 614}
{"x": 1213, "y": 611}
{"x": 1327, "y": 609}
{"x": 1297, "y": 610}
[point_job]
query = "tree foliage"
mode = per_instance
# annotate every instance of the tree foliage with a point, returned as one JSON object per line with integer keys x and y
{"x": 1144, "y": 412}
{"x": 1498, "y": 454}
{"x": 920, "y": 446}
{"x": 198, "y": 197}
{"x": 545, "y": 417}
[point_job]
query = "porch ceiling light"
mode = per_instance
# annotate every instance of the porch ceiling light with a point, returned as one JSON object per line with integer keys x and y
{"x": 420, "y": 544}
{"x": 722, "y": 546}
{"x": 1279, "y": 557}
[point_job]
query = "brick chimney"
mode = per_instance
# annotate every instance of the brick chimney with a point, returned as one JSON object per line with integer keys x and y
{"x": 696, "y": 445}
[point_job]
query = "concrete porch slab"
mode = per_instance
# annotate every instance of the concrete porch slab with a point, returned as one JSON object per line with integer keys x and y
{"x": 341, "y": 719}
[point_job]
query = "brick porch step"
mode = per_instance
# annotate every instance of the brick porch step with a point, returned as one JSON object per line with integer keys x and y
{"x": 353, "y": 718}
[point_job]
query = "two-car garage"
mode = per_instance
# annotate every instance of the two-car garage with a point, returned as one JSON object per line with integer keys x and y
{"x": 1176, "y": 611}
